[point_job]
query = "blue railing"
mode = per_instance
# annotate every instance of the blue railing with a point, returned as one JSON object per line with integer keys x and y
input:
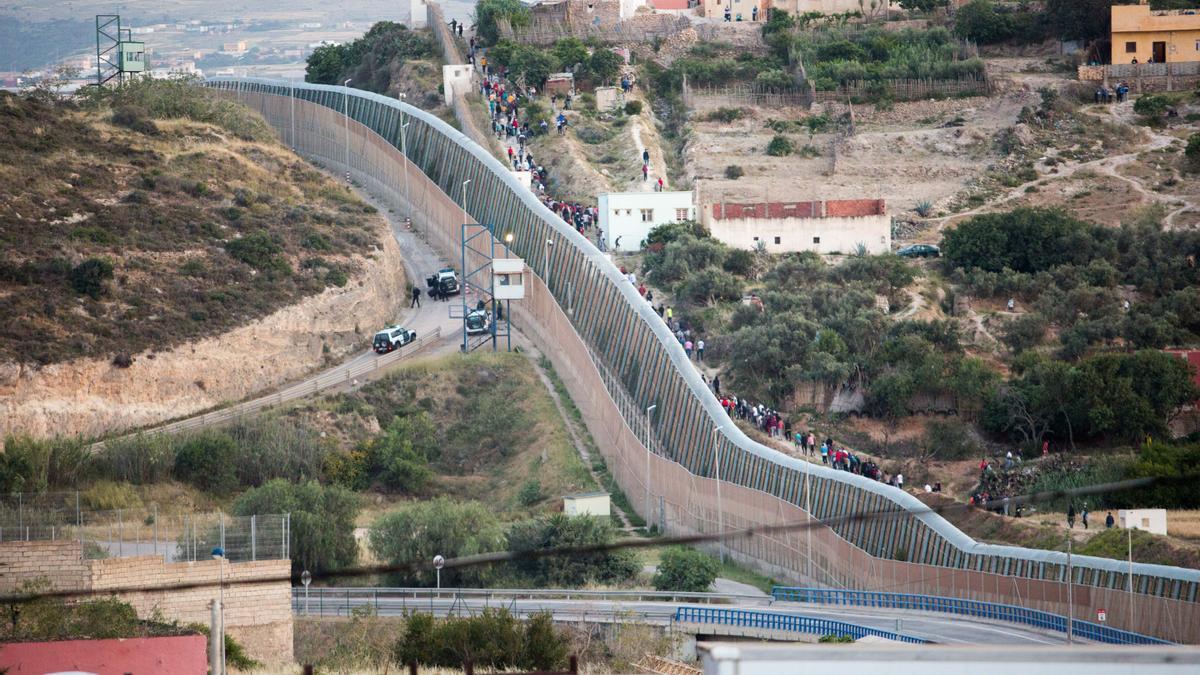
{"x": 793, "y": 623}
{"x": 973, "y": 608}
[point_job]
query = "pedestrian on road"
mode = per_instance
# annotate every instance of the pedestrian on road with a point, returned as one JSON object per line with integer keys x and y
{"x": 1071, "y": 516}
{"x": 416, "y": 298}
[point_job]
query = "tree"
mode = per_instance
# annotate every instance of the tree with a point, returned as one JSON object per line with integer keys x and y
{"x": 89, "y": 277}
{"x": 1080, "y": 19}
{"x": 557, "y": 531}
{"x": 489, "y": 12}
{"x": 414, "y": 533}
{"x": 1192, "y": 151}
{"x": 570, "y": 52}
{"x": 207, "y": 461}
{"x": 325, "y": 65}
{"x": 978, "y": 20}
{"x": 401, "y": 455}
{"x": 322, "y": 521}
{"x": 1024, "y": 239}
{"x": 603, "y": 65}
{"x": 685, "y": 570}
{"x": 922, "y": 5}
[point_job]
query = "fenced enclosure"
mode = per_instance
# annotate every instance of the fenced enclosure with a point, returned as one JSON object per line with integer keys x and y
{"x": 864, "y": 91}
{"x": 142, "y": 530}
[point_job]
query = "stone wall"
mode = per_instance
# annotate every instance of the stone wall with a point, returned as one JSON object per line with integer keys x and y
{"x": 258, "y": 611}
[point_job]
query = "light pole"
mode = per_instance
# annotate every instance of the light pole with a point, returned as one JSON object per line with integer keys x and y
{"x": 306, "y": 579}
{"x": 292, "y": 104}
{"x": 648, "y": 444}
{"x": 346, "y": 117}
{"x": 1070, "y": 594}
{"x": 465, "y": 183}
{"x": 720, "y": 510}
{"x": 546, "y": 266}
{"x": 218, "y": 554}
{"x": 404, "y": 151}
{"x": 438, "y": 563}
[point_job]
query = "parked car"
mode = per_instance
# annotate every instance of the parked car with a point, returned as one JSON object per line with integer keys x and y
{"x": 445, "y": 282}
{"x": 920, "y": 251}
{"x": 392, "y": 338}
{"x": 478, "y": 321}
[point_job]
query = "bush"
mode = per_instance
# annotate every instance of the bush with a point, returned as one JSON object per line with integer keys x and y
{"x": 89, "y": 277}
{"x": 685, "y": 570}
{"x": 633, "y": 108}
{"x": 134, "y": 118}
{"x": 109, "y": 496}
{"x": 1192, "y": 151}
{"x": 1024, "y": 239}
{"x": 140, "y": 460}
{"x": 568, "y": 571}
{"x": 978, "y": 20}
{"x": 414, "y": 533}
{"x": 780, "y": 146}
{"x": 531, "y": 493}
{"x": 258, "y": 250}
{"x": 206, "y": 461}
{"x": 924, "y": 208}
{"x": 725, "y": 115}
{"x": 734, "y": 172}
{"x": 1152, "y": 106}
{"x": 491, "y": 639}
{"x": 322, "y": 525}
{"x": 950, "y": 440}
{"x": 36, "y": 465}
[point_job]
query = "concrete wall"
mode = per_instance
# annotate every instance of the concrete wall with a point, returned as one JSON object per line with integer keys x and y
{"x": 257, "y": 613}
{"x": 1150, "y": 520}
{"x": 1179, "y": 32}
{"x": 621, "y": 215}
{"x": 179, "y": 655}
{"x": 823, "y": 235}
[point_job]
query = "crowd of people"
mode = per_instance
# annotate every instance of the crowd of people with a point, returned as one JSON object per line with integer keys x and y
{"x": 1117, "y": 94}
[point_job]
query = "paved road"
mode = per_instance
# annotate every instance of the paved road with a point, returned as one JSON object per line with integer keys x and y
{"x": 942, "y": 629}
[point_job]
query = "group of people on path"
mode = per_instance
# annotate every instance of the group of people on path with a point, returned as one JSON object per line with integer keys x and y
{"x": 1116, "y": 94}
{"x": 1109, "y": 521}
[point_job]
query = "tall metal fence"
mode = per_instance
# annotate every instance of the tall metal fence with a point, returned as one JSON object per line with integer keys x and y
{"x": 588, "y": 315}
{"x": 142, "y": 530}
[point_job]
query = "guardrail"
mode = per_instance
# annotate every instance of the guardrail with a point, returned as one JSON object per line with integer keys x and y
{"x": 749, "y": 618}
{"x": 341, "y": 600}
{"x": 973, "y": 608}
{"x": 328, "y": 380}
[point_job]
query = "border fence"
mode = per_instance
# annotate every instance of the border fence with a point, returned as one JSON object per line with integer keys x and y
{"x": 142, "y": 530}
{"x": 694, "y": 460}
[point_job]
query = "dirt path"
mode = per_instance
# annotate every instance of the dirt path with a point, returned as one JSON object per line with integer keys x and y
{"x": 658, "y": 164}
{"x": 1122, "y": 113}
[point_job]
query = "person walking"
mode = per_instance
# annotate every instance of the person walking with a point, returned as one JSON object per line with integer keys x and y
{"x": 645, "y": 172}
{"x": 1071, "y": 516}
{"x": 660, "y": 184}
{"x": 687, "y": 347}
{"x": 700, "y": 350}
{"x": 416, "y": 298}
{"x": 1109, "y": 521}
{"x": 1083, "y": 516}
{"x": 646, "y": 157}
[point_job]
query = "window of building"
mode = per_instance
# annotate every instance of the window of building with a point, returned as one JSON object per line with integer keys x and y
{"x": 816, "y": 240}
{"x": 1131, "y": 47}
{"x": 1198, "y": 45}
{"x": 681, "y": 214}
{"x": 647, "y": 215}
{"x": 776, "y": 240}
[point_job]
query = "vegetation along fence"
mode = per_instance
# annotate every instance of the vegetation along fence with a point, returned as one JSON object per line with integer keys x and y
{"x": 683, "y": 463}
{"x": 142, "y": 530}
{"x": 904, "y": 90}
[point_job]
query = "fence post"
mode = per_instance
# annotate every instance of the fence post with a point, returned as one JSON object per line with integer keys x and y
{"x": 221, "y": 517}
{"x": 156, "y": 528}
{"x": 253, "y": 539}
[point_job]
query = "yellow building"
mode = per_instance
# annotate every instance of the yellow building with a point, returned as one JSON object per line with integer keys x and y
{"x": 1140, "y": 35}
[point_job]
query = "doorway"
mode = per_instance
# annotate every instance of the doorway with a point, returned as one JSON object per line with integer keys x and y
{"x": 1160, "y": 52}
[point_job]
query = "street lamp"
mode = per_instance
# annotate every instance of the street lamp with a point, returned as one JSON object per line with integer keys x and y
{"x": 346, "y": 117}
{"x": 808, "y": 519}
{"x": 546, "y": 265}
{"x": 648, "y": 443}
{"x": 218, "y": 554}
{"x": 306, "y": 579}
{"x": 720, "y": 510}
{"x": 465, "y": 183}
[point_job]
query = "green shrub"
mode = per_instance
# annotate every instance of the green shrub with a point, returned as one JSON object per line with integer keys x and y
{"x": 835, "y": 639}
{"x": 89, "y": 277}
{"x": 140, "y": 459}
{"x": 134, "y": 118}
{"x": 726, "y": 115}
{"x": 557, "y": 531}
{"x": 491, "y": 639}
{"x": 734, "y": 172}
{"x": 924, "y": 208}
{"x": 206, "y": 461}
{"x": 531, "y": 493}
{"x": 1192, "y": 151}
{"x": 414, "y": 533}
{"x": 258, "y": 250}
{"x": 322, "y": 524}
{"x": 685, "y": 570}
{"x": 780, "y": 146}
{"x": 633, "y": 108}
{"x": 950, "y": 440}
{"x": 1152, "y": 106}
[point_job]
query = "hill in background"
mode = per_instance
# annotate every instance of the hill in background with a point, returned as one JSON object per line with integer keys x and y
{"x": 154, "y": 214}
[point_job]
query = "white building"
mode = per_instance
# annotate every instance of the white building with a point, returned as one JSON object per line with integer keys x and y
{"x": 587, "y": 504}
{"x": 832, "y": 226}
{"x": 627, "y": 217}
{"x": 1150, "y": 520}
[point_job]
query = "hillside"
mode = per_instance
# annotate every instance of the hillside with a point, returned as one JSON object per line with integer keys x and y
{"x": 154, "y": 215}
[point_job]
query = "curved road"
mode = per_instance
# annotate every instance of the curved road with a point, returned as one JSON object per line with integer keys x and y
{"x": 938, "y": 628}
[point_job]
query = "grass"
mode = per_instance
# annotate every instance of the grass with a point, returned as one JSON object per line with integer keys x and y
{"x": 729, "y": 570}
{"x": 165, "y": 200}
{"x": 1184, "y": 524}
